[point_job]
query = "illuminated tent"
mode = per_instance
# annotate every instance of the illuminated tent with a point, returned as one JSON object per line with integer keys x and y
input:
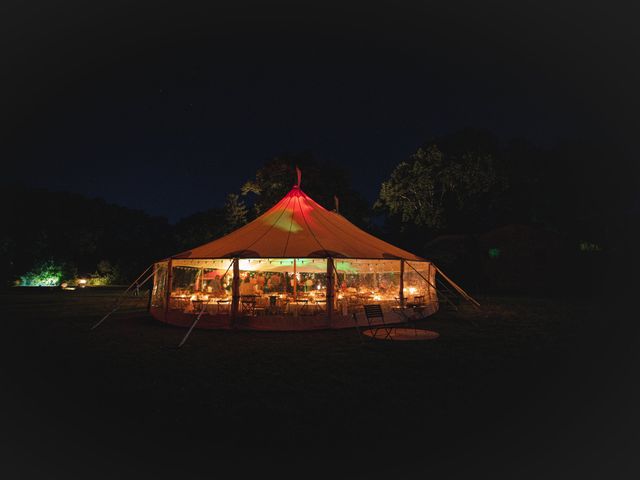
{"x": 297, "y": 266}
{"x": 298, "y": 227}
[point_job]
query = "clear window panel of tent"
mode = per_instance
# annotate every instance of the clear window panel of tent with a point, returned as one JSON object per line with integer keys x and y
{"x": 283, "y": 286}
{"x": 419, "y": 283}
{"x": 361, "y": 282}
{"x": 201, "y": 284}
{"x": 158, "y": 294}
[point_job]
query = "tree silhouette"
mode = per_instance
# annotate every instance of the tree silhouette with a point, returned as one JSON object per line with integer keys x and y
{"x": 235, "y": 213}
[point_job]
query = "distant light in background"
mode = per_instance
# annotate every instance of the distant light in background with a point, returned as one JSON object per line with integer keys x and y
{"x": 589, "y": 247}
{"x": 494, "y": 252}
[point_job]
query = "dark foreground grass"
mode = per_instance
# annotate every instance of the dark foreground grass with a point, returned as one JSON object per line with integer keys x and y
{"x": 521, "y": 389}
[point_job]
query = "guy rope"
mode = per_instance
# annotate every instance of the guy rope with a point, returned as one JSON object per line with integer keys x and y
{"x": 195, "y": 321}
{"x": 118, "y": 301}
{"x": 458, "y": 289}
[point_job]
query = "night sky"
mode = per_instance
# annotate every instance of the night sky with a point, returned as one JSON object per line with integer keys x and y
{"x": 169, "y": 107}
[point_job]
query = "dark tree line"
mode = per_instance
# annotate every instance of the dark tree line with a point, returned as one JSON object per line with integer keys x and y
{"x": 470, "y": 182}
{"x": 466, "y": 183}
{"x": 461, "y": 196}
{"x": 79, "y": 234}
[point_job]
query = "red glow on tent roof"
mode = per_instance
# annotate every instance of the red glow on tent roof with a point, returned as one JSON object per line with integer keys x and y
{"x": 298, "y": 227}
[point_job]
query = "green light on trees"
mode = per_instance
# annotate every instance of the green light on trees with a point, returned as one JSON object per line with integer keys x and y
{"x": 47, "y": 274}
{"x": 589, "y": 247}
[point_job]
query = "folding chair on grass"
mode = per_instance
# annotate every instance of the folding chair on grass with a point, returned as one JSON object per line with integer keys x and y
{"x": 372, "y": 312}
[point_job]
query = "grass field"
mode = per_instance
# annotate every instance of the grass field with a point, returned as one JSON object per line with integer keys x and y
{"x": 506, "y": 390}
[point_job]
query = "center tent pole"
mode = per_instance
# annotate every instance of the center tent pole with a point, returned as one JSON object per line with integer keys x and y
{"x": 295, "y": 282}
{"x": 330, "y": 289}
{"x": 235, "y": 290}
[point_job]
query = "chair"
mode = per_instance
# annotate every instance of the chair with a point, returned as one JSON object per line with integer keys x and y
{"x": 319, "y": 305}
{"x": 227, "y": 305}
{"x": 304, "y": 309}
{"x": 199, "y": 307}
{"x": 297, "y": 307}
{"x": 402, "y": 309}
{"x": 272, "y": 309}
{"x": 417, "y": 308}
{"x": 179, "y": 303}
{"x": 248, "y": 303}
{"x": 372, "y": 312}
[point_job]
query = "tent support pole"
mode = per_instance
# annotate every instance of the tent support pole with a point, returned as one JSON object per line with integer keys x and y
{"x": 295, "y": 282}
{"x": 169, "y": 286}
{"x": 121, "y": 297}
{"x": 150, "y": 297}
{"x": 401, "y": 295}
{"x": 200, "y": 282}
{"x": 330, "y": 289}
{"x": 235, "y": 291}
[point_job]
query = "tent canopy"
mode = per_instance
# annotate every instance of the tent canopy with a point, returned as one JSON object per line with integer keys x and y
{"x": 298, "y": 227}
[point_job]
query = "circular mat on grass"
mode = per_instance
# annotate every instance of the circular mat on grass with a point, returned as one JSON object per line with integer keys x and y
{"x": 400, "y": 333}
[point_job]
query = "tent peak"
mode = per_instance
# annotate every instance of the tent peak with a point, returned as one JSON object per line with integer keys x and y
{"x": 299, "y": 172}
{"x": 298, "y": 227}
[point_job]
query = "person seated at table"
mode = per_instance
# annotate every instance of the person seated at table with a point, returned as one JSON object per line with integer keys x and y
{"x": 260, "y": 281}
{"x": 216, "y": 286}
{"x": 308, "y": 284}
{"x": 227, "y": 285}
{"x": 274, "y": 282}
{"x": 246, "y": 287}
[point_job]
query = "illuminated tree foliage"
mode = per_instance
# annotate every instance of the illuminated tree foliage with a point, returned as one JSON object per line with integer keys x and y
{"x": 271, "y": 182}
{"x": 430, "y": 186}
{"x": 46, "y": 274}
{"x": 77, "y": 232}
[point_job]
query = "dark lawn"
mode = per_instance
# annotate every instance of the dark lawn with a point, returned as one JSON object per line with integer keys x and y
{"x": 523, "y": 388}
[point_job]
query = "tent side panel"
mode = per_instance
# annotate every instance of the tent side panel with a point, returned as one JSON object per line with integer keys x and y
{"x": 419, "y": 280}
{"x": 158, "y": 291}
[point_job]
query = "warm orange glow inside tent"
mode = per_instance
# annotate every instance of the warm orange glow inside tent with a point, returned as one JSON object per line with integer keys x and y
{"x": 296, "y": 267}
